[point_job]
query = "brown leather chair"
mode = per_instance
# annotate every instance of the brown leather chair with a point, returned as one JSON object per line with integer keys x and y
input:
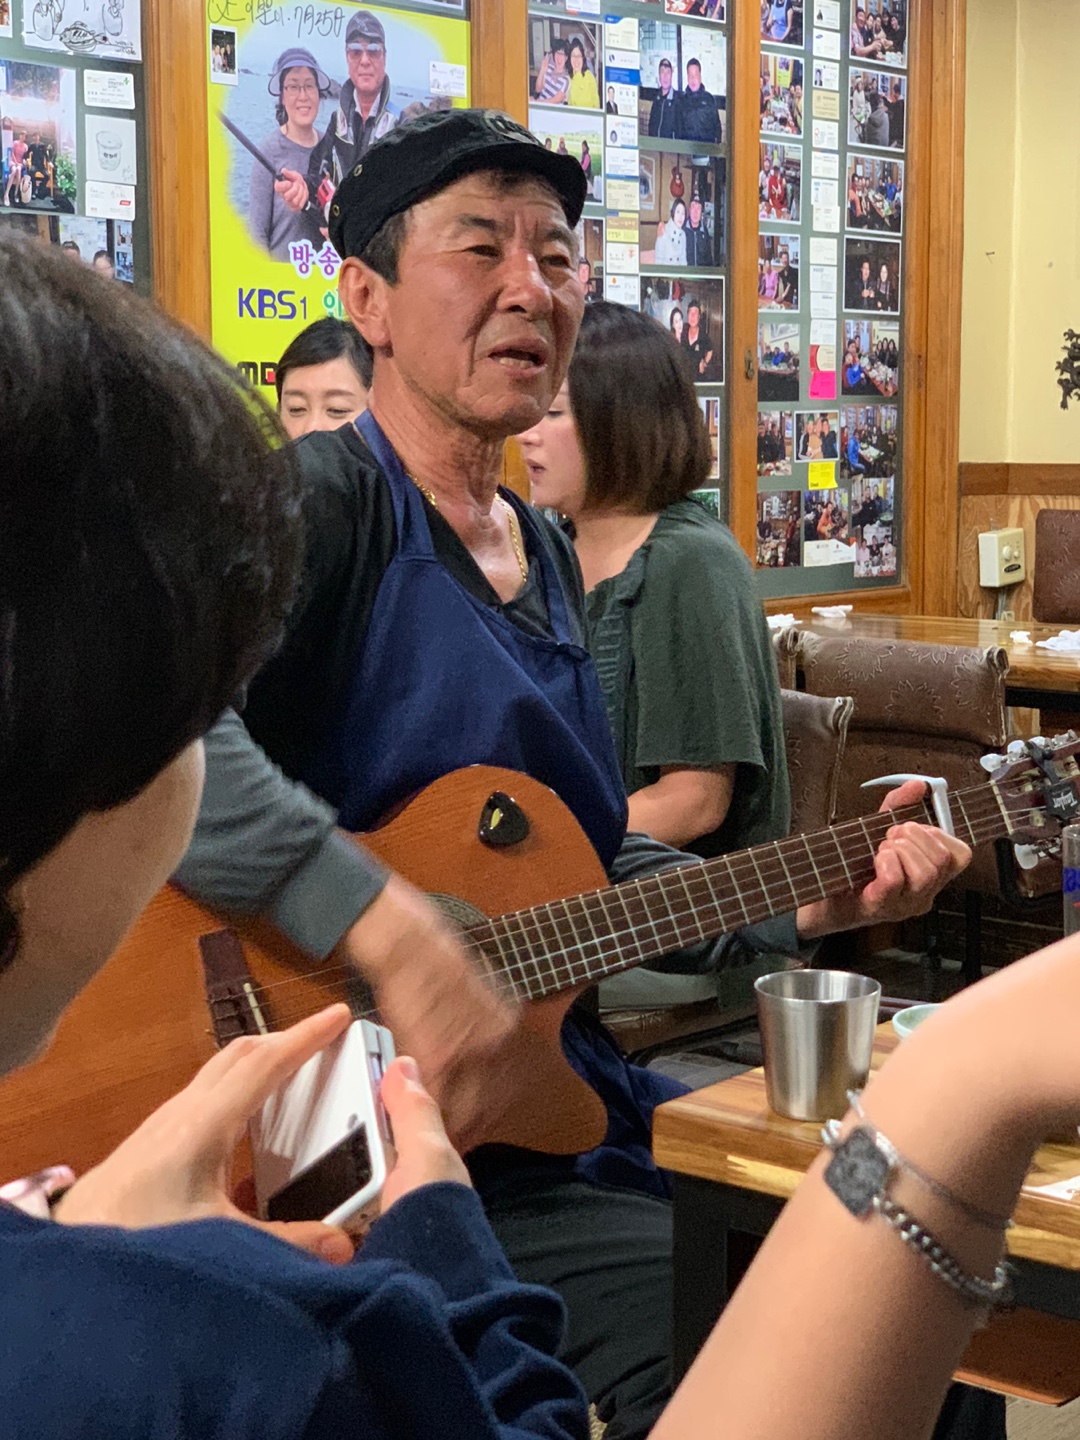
{"x": 925, "y": 709}
{"x": 1056, "y": 576}
{"x": 815, "y": 731}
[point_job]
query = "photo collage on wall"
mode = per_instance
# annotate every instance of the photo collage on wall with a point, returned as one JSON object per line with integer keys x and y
{"x": 639, "y": 99}
{"x": 70, "y": 128}
{"x": 833, "y": 138}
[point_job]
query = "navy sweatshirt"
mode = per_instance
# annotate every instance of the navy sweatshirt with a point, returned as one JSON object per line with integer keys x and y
{"x": 214, "y": 1330}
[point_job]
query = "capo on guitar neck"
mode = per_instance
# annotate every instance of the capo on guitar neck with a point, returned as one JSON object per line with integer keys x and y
{"x": 939, "y": 795}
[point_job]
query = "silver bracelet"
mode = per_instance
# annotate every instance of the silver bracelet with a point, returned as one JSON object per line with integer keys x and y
{"x": 859, "y": 1174}
{"x": 986, "y": 1218}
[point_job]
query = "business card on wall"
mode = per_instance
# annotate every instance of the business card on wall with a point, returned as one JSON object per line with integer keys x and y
{"x": 110, "y": 202}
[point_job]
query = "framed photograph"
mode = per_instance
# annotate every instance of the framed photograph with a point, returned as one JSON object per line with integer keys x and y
{"x": 591, "y": 258}
{"x": 782, "y": 22}
{"x": 5, "y": 20}
{"x": 872, "y": 274}
{"x": 565, "y": 62}
{"x": 37, "y": 135}
{"x": 684, "y": 224}
{"x": 875, "y": 193}
{"x": 222, "y": 47}
{"x": 827, "y": 528}
{"x": 877, "y": 109}
{"x": 710, "y": 409}
{"x": 572, "y": 132}
{"x": 872, "y": 527}
{"x": 778, "y": 272}
{"x": 684, "y": 82}
{"x": 779, "y": 347}
{"x": 817, "y": 435}
{"x": 869, "y": 439}
{"x": 878, "y": 32}
{"x": 709, "y": 500}
{"x": 775, "y": 442}
{"x": 781, "y": 96}
{"x": 693, "y": 310}
{"x": 697, "y": 9}
{"x": 778, "y": 519}
{"x": 871, "y": 358}
{"x": 780, "y": 182}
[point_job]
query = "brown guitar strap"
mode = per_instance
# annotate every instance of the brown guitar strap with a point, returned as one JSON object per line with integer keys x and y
{"x": 235, "y": 1008}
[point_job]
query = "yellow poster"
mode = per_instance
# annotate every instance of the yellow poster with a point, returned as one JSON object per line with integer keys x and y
{"x": 822, "y": 474}
{"x": 297, "y": 94}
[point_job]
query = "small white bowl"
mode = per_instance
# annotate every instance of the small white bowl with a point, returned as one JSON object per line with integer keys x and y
{"x": 905, "y": 1021}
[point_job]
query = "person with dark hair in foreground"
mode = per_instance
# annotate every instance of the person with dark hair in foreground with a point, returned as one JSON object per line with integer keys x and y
{"x": 149, "y": 551}
{"x": 323, "y": 377}
{"x": 442, "y": 625}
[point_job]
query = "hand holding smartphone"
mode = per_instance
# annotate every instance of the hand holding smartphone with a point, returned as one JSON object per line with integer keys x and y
{"x": 320, "y": 1142}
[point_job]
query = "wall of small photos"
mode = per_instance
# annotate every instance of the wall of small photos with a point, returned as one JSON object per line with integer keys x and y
{"x": 636, "y": 90}
{"x": 73, "y": 160}
{"x": 831, "y": 184}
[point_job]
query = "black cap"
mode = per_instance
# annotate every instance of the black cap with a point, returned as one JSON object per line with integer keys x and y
{"x": 364, "y": 26}
{"x": 421, "y": 157}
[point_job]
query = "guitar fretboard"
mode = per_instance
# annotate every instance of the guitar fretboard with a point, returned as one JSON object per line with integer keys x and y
{"x": 585, "y": 937}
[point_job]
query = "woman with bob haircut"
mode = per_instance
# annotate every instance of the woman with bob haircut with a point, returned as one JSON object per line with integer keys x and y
{"x": 678, "y": 632}
{"x": 150, "y": 540}
{"x": 298, "y": 87}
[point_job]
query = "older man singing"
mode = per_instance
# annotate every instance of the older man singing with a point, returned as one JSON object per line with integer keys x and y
{"x": 441, "y": 626}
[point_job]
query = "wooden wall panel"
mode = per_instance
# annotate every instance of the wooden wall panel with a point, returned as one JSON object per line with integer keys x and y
{"x": 988, "y": 512}
{"x": 1005, "y": 478}
{"x": 500, "y": 56}
{"x": 179, "y": 198}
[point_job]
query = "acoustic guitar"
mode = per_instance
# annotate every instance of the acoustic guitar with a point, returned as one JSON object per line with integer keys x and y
{"x": 509, "y": 862}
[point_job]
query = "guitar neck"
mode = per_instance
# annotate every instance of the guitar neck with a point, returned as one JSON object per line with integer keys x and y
{"x": 579, "y": 940}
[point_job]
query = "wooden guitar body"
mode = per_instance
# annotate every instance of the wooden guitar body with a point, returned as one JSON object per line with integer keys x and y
{"x": 142, "y": 1028}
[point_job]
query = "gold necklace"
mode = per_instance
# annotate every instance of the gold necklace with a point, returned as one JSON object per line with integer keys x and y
{"x": 512, "y": 520}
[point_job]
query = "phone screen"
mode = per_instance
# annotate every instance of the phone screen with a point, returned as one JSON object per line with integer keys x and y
{"x": 326, "y": 1184}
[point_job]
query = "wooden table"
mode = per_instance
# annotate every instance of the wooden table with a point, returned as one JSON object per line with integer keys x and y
{"x": 1036, "y": 678}
{"x": 735, "y": 1163}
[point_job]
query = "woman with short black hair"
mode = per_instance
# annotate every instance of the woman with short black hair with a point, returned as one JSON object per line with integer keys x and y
{"x": 323, "y": 378}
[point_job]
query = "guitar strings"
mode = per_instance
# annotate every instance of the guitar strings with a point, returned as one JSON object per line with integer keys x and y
{"x": 690, "y": 875}
{"x": 528, "y": 970}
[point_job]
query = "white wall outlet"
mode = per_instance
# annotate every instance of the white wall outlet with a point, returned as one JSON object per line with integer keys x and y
{"x": 1001, "y": 558}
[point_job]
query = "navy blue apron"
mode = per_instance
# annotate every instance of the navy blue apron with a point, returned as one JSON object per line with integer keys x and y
{"x": 444, "y": 681}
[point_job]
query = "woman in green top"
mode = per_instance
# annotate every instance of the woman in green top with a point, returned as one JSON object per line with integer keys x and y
{"x": 584, "y": 91}
{"x": 676, "y": 627}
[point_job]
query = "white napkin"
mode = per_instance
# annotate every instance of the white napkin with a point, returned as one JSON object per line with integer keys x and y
{"x": 1020, "y": 637}
{"x": 781, "y": 622}
{"x": 1067, "y": 640}
{"x": 832, "y": 612}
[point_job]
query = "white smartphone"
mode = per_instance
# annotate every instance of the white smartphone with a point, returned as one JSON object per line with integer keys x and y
{"x": 320, "y": 1142}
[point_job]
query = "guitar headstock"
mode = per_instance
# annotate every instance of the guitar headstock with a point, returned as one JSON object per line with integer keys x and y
{"x": 1037, "y": 784}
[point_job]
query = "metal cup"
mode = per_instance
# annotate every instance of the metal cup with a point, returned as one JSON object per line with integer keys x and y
{"x": 817, "y": 1032}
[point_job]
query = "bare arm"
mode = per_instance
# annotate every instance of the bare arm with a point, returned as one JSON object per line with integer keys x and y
{"x": 866, "y": 1337}
{"x": 683, "y": 804}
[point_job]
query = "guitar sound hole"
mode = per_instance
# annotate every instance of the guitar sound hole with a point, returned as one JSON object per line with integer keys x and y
{"x": 502, "y": 821}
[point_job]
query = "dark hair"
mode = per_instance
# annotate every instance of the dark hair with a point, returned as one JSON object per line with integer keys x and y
{"x": 99, "y": 253}
{"x": 578, "y": 44}
{"x": 383, "y": 251}
{"x": 70, "y": 245}
{"x": 281, "y": 115}
{"x": 560, "y": 47}
{"x": 642, "y": 432}
{"x": 322, "y": 340}
{"x": 693, "y": 61}
{"x": 150, "y": 540}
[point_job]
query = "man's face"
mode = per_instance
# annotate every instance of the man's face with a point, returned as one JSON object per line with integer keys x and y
{"x": 497, "y": 270}
{"x": 766, "y": 164}
{"x": 695, "y": 213}
{"x": 367, "y": 66}
{"x": 584, "y": 273}
{"x": 665, "y": 76}
{"x": 693, "y": 77}
{"x": 693, "y": 317}
{"x": 866, "y": 269}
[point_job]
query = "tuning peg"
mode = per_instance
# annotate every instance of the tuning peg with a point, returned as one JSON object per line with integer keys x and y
{"x": 1016, "y": 748}
{"x": 1027, "y": 857}
{"x": 990, "y": 763}
{"x": 1038, "y": 740}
